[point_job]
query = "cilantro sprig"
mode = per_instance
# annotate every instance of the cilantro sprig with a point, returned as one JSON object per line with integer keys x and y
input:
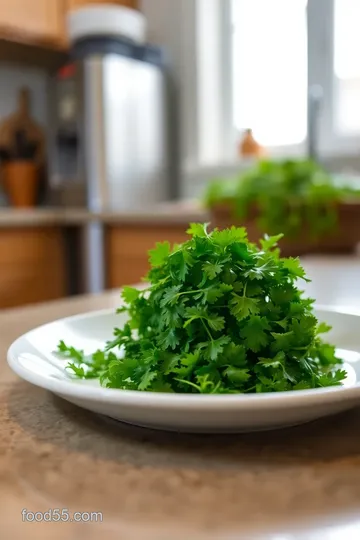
{"x": 220, "y": 315}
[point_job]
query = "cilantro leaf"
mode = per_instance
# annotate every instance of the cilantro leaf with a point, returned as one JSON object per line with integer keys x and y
{"x": 215, "y": 322}
{"x": 193, "y": 314}
{"x": 187, "y": 364}
{"x": 170, "y": 295}
{"x": 323, "y": 328}
{"x": 268, "y": 242}
{"x": 78, "y": 371}
{"x": 237, "y": 376}
{"x": 282, "y": 341}
{"x": 130, "y": 294}
{"x": 169, "y": 339}
{"x": 146, "y": 380}
{"x": 242, "y": 306}
{"x": 331, "y": 378}
{"x": 212, "y": 269}
{"x": 327, "y": 355}
{"x": 294, "y": 268}
{"x": 303, "y": 385}
{"x": 212, "y": 293}
{"x": 254, "y": 333}
{"x": 274, "y": 362}
{"x": 215, "y": 347}
{"x": 198, "y": 229}
{"x": 226, "y": 237}
{"x": 233, "y": 355}
{"x": 172, "y": 316}
{"x": 178, "y": 266}
{"x": 70, "y": 352}
{"x": 159, "y": 254}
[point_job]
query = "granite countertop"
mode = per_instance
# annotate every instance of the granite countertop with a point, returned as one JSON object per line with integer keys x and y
{"x": 182, "y": 212}
{"x": 158, "y": 486}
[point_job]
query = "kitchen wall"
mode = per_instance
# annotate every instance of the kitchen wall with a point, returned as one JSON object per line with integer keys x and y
{"x": 12, "y": 78}
{"x": 166, "y": 27}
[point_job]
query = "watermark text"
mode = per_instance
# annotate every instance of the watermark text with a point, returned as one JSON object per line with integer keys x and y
{"x": 61, "y": 516}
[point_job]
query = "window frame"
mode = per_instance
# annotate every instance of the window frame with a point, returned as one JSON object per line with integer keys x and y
{"x": 321, "y": 35}
{"x": 320, "y": 21}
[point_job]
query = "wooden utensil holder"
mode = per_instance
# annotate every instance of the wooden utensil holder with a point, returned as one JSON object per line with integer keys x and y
{"x": 21, "y": 183}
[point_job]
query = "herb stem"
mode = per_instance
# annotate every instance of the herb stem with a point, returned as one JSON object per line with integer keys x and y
{"x": 207, "y": 330}
{"x": 189, "y": 383}
{"x": 192, "y": 292}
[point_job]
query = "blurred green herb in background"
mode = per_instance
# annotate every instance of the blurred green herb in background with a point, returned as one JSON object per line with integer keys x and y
{"x": 284, "y": 195}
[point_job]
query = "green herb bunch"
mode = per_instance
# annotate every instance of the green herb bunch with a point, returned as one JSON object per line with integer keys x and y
{"x": 220, "y": 315}
{"x": 285, "y": 195}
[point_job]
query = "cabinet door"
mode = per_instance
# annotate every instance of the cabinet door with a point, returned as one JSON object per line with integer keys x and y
{"x": 134, "y": 4}
{"x": 33, "y": 20}
{"x": 127, "y": 247}
{"x": 32, "y": 265}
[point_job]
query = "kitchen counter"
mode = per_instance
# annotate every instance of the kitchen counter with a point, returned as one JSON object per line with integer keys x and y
{"x": 158, "y": 486}
{"x": 78, "y": 248}
{"x": 172, "y": 213}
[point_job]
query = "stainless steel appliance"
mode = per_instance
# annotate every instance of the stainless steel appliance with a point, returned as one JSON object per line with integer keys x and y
{"x": 110, "y": 141}
{"x": 109, "y": 126}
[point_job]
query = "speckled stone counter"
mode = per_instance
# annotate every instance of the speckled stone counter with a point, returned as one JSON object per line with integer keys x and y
{"x": 158, "y": 486}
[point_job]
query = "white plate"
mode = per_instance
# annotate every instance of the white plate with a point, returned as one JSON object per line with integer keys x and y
{"x": 31, "y": 357}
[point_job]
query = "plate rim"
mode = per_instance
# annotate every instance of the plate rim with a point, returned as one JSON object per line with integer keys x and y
{"x": 76, "y": 389}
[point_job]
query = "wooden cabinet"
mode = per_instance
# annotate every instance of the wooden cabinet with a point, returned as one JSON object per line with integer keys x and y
{"x": 43, "y": 22}
{"x": 34, "y": 21}
{"x": 134, "y": 4}
{"x": 32, "y": 265}
{"x": 127, "y": 249}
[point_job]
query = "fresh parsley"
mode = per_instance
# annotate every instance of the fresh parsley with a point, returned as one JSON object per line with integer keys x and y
{"x": 220, "y": 315}
{"x": 283, "y": 196}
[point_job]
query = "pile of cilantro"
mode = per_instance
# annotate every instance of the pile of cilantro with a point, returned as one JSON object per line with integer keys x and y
{"x": 285, "y": 195}
{"x": 220, "y": 315}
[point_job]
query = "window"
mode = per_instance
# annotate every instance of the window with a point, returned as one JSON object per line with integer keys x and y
{"x": 347, "y": 66}
{"x": 269, "y": 63}
{"x": 256, "y": 65}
